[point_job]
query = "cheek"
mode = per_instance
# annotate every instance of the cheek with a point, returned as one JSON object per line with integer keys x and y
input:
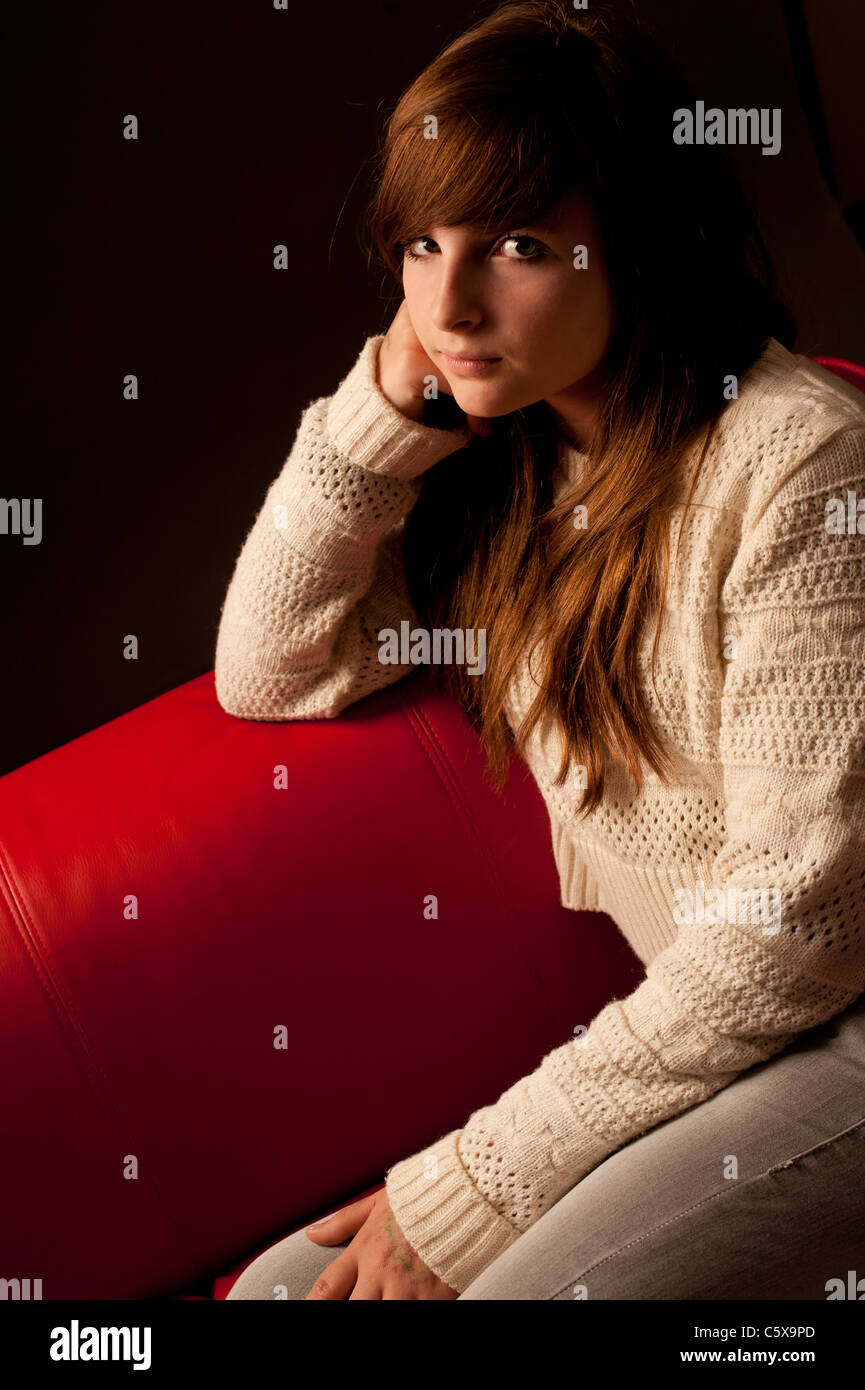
{"x": 417, "y": 311}
{"x": 586, "y": 312}
{"x": 548, "y": 309}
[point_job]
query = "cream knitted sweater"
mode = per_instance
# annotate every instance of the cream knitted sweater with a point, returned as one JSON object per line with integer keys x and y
{"x": 761, "y": 671}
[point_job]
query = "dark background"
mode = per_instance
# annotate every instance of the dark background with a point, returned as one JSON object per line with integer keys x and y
{"x": 154, "y": 257}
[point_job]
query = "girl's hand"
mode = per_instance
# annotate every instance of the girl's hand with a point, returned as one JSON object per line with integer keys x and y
{"x": 378, "y": 1263}
{"x": 402, "y": 366}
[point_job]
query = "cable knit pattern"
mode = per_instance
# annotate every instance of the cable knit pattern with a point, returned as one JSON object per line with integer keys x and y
{"x": 740, "y": 885}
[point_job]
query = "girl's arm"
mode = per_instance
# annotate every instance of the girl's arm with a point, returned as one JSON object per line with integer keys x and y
{"x": 320, "y": 573}
{"x": 727, "y": 994}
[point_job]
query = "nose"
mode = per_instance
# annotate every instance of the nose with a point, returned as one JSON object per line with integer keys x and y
{"x": 458, "y": 298}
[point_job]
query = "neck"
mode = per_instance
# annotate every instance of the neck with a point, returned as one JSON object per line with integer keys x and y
{"x": 576, "y": 409}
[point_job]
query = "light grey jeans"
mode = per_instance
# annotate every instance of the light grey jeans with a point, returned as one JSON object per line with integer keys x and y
{"x": 664, "y": 1218}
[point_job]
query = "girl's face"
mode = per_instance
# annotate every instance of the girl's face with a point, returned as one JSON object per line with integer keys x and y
{"x": 519, "y": 299}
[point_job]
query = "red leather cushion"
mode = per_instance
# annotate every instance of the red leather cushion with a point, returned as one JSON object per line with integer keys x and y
{"x": 150, "y": 1037}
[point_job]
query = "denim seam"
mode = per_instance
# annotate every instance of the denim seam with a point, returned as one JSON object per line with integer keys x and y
{"x": 775, "y": 1168}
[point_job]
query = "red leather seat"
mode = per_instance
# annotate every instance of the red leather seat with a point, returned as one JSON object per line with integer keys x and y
{"x": 168, "y": 905}
{"x": 179, "y": 889}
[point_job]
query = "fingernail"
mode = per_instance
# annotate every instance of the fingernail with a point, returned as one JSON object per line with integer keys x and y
{"x": 320, "y": 1222}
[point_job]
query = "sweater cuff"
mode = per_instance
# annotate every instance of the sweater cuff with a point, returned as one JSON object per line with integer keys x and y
{"x": 366, "y": 428}
{"x": 443, "y": 1216}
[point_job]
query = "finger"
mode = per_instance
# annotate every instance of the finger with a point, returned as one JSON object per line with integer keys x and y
{"x": 398, "y": 1292}
{"x": 341, "y": 1225}
{"x": 367, "y": 1289}
{"x": 336, "y": 1281}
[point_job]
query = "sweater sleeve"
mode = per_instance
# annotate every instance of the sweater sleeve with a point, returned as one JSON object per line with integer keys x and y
{"x": 772, "y": 946}
{"x": 320, "y": 572}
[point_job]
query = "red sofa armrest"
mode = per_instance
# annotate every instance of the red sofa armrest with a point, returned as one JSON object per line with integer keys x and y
{"x": 172, "y": 904}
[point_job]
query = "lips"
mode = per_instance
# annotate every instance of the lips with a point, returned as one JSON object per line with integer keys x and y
{"x": 470, "y": 366}
{"x": 471, "y": 356}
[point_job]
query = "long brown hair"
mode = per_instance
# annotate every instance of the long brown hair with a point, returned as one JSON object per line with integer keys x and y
{"x": 532, "y": 102}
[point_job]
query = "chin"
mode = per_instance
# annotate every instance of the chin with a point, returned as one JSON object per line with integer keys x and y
{"x": 480, "y": 400}
{"x": 479, "y": 403}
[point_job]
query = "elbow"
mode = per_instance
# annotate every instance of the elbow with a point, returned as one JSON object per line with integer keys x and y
{"x": 240, "y": 693}
{"x": 251, "y": 698}
{"x": 230, "y": 701}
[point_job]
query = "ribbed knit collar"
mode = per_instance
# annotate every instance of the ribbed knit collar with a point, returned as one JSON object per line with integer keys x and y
{"x": 569, "y": 462}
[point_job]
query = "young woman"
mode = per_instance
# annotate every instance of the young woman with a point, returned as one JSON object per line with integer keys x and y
{"x": 585, "y": 433}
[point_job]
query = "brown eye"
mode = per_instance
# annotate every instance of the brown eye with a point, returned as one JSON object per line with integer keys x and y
{"x": 412, "y": 255}
{"x": 539, "y": 249}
